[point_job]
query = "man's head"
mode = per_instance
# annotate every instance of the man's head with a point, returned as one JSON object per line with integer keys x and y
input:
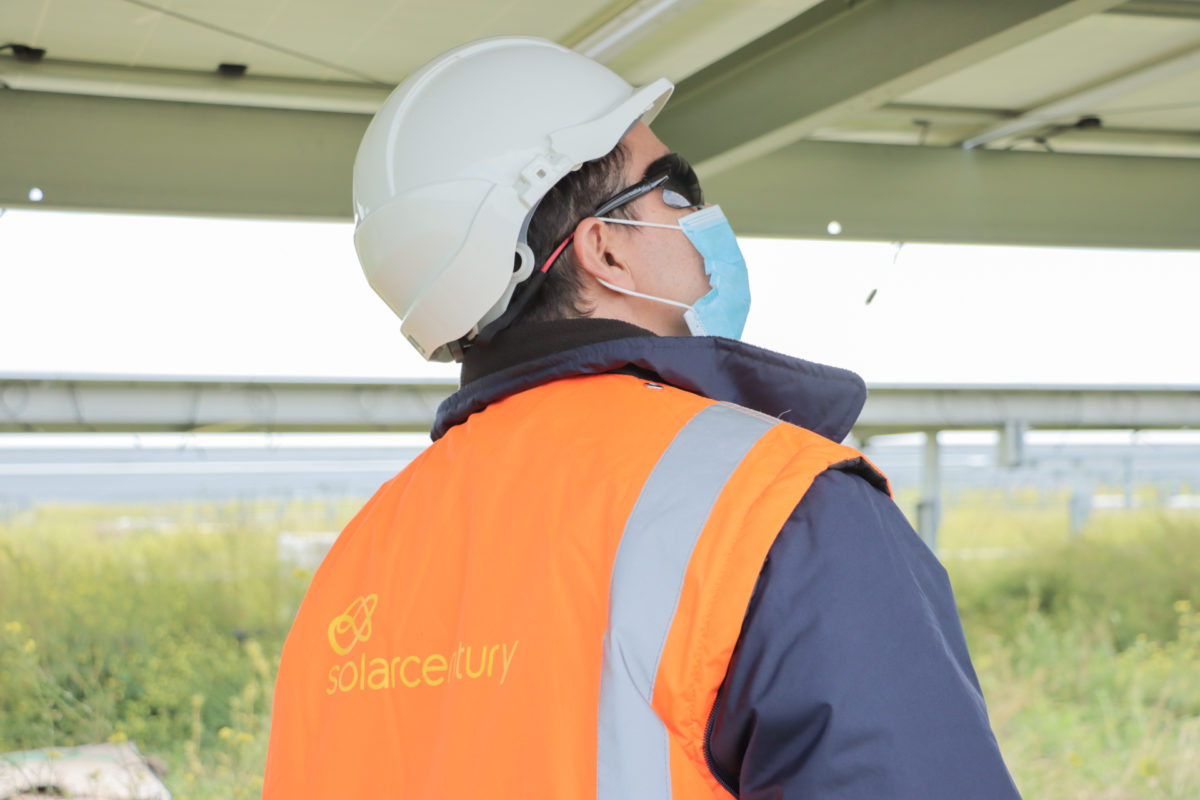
{"x": 488, "y": 165}
{"x": 647, "y": 260}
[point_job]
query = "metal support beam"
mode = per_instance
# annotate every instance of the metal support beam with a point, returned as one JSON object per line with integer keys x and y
{"x": 900, "y": 408}
{"x": 842, "y": 57}
{"x": 133, "y": 403}
{"x": 929, "y": 509}
{"x": 106, "y": 154}
{"x": 1115, "y": 86}
{"x": 1168, "y": 9}
{"x": 99, "y": 153}
{"x": 177, "y": 85}
{"x": 902, "y": 193}
{"x": 938, "y": 126}
{"x": 110, "y": 404}
{"x": 627, "y": 27}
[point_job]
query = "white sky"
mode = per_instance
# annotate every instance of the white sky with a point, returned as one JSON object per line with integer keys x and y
{"x": 185, "y": 296}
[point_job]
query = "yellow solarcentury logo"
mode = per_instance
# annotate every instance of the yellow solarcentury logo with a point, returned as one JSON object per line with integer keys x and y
{"x": 356, "y": 621}
{"x": 385, "y": 672}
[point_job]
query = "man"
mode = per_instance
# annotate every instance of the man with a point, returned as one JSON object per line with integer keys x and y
{"x": 634, "y": 562}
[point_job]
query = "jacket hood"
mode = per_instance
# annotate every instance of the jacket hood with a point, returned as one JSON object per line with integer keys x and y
{"x": 825, "y": 400}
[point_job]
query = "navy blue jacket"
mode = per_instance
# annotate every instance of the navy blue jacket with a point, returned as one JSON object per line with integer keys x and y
{"x": 851, "y": 678}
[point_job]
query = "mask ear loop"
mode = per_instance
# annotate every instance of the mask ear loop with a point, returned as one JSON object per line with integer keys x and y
{"x": 695, "y": 326}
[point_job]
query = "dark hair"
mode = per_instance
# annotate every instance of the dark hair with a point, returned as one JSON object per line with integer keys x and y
{"x": 567, "y": 203}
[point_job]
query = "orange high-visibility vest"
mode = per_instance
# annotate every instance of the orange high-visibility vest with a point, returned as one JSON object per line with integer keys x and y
{"x": 543, "y": 604}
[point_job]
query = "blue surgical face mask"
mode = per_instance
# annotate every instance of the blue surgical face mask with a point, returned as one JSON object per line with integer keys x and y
{"x": 723, "y": 311}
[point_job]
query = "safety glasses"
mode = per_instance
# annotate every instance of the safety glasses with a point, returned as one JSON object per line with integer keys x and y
{"x": 681, "y": 187}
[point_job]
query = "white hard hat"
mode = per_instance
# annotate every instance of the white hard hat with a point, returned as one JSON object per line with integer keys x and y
{"x": 454, "y": 164}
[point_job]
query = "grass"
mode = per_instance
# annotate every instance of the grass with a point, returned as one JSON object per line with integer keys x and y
{"x": 168, "y": 637}
{"x": 164, "y": 626}
{"x": 1087, "y": 647}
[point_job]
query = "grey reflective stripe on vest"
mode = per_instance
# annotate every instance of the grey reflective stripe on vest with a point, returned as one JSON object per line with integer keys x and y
{"x": 647, "y": 579}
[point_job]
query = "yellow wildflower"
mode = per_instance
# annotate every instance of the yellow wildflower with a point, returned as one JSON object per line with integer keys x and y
{"x": 225, "y": 733}
{"x": 119, "y": 736}
{"x": 1182, "y": 606}
{"x": 12, "y": 627}
{"x": 1074, "y": 759}
{"x": 30, "y": 645}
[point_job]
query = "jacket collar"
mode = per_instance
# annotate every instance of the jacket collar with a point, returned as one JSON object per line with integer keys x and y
{"x": 825, "y": 400}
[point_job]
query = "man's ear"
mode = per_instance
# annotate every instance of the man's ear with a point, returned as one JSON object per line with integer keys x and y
{"x": 602, "y": 252}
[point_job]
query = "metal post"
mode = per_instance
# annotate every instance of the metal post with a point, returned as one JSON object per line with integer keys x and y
{"x": 929, "y": 510}
{"x": 1012, "y": 444}
{"x": 1130, "y": 494}
{"x": 1080, "y": 509}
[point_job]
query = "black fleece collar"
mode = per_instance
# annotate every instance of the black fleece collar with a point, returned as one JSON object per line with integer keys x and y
{"x": 537, "y": 340}
{"x": 823, "y": 399}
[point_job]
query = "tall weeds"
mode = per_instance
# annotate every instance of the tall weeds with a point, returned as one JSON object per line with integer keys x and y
{"x": 169, "y": 633}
